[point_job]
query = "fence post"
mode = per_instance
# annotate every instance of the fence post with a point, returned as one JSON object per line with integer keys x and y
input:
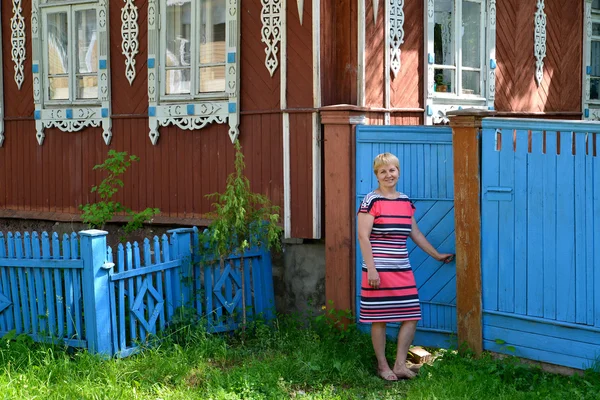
{"x": 339, "y": 124}
{"x": 95, "y": 285}
{"x": 466, "y": 134}
{"x": 184, "y": 252}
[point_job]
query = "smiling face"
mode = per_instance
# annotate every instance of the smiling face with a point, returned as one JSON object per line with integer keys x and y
{"x": 387, "y": 176}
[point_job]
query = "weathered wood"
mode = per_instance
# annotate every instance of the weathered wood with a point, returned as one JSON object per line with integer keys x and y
{"x": 340, "y": 216}
{"x": 465, "y": 142}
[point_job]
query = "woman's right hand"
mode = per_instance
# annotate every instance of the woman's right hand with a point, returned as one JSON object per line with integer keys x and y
{"x": 373, "y": 278}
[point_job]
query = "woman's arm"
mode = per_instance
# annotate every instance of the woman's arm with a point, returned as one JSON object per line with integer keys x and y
{"x": 420, "y": 240}
{"x": 365, "y": 224}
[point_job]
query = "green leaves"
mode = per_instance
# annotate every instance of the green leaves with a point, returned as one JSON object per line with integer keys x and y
{"x": 96, "y": 215}
{"x": 241, "y": 218}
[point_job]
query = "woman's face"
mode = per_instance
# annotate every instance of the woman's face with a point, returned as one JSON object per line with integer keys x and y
{"x": 387, "y": 176}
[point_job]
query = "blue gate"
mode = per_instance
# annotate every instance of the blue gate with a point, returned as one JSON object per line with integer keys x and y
{"x": 426, "y": 176}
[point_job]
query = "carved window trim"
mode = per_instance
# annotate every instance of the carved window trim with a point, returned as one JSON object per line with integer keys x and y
{"x": 438, "y": 104}
{"x": 396, "y": 34}
{"x": 18, "y": 51}
{"x": 129, "y": 34}
{"x": 72, "y": 115}
{"x": 539, "y": 41}
{"x": 192, "y": 112}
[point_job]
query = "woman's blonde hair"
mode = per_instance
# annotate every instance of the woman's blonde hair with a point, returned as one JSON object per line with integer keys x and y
{"x": 385, "y": 159}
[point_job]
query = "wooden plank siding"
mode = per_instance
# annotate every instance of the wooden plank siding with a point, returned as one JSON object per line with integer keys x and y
{"x": 339, "y": 62}
{"x": 52, "y": 180}
{"x": 405, "y": 89}
{"x": 516, "y": 88}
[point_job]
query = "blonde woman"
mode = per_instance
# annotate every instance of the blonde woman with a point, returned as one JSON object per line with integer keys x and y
{"x": 388, "y": 289}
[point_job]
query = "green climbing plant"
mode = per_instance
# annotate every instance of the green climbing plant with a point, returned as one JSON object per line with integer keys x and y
{"x": 97, "y": 214}
{"x": 241, "y": 220}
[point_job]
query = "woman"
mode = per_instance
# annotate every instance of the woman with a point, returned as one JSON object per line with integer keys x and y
{"x": 388, "y": 289}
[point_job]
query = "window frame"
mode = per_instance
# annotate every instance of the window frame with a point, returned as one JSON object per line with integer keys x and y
{"x": 458, "y": 68}
{"x": 74, "y": 114}
{"x": 437, "y": 104}
{"x": 71, "y": 10}
{"x": 193, "y": 111}
{"x": 595, "y": 18}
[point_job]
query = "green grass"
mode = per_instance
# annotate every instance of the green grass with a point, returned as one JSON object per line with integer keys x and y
{"x": 287, "y": 360}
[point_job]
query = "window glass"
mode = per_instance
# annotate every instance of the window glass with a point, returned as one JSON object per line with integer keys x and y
{"x": 178, "y": 43}
{"x": 595, "y": 73}
{"x": 86, "y": 50}
{"x": 443, "y": 35}
{"x": 212, "y": 46}
{"x": 58, "y": 56}
{"x": 596, "y": 5}
{"x": 471, "y": 47}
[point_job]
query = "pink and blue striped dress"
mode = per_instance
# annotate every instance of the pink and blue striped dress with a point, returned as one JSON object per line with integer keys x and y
{"x": 396, "y": 299}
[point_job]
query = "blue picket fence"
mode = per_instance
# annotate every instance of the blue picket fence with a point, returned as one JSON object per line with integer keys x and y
{"x": 77, "y": 291}
{"x": 540, "y": 210}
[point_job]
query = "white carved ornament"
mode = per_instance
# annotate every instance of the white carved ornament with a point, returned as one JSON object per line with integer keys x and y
{"x": 17, "y": 25}
{"x": 492, "y": 35}
{"x": 301, "y": 10}
{"x": 375, "y": 10}
{"x": 129, "y": 34}
{"x": 396, "y": 33}
{"x": 270, "y": 16}
{"x": 540, "y": 41}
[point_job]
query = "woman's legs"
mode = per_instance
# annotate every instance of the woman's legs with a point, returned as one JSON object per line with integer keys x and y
{"x": 378, "y": 338}
{"x": 405, "y": 338}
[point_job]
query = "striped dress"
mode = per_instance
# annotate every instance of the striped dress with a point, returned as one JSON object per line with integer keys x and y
{"x": 396, "y": 299}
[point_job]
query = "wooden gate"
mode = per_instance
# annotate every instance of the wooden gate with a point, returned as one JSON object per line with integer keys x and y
{"x": 540, "y": 248}
{"x": 426, "y": 176}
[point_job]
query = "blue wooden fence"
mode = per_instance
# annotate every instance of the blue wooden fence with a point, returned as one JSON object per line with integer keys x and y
{"x": 426, "y": 176}
{"x": 76, "y": 291}
{"x": 541, "y": 240}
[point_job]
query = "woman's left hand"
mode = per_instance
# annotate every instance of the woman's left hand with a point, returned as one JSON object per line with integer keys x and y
{"x": 445, "y": 257}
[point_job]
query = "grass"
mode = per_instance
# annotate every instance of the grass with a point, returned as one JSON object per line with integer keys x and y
{"x": 287, "y": 360}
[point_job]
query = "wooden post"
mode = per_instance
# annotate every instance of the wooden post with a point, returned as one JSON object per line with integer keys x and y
{"x": 340, "y": 216}
{"x": 96, "y": 300}
{"x": 466, "y": 131}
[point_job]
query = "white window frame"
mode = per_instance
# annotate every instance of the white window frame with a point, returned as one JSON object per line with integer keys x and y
{"x": 439, "y": 103}
{"x": 590, "y": 107}
{"x": 193, "y": 111}
{"x": 74, "y": 114}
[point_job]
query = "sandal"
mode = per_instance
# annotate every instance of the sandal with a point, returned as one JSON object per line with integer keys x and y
{"x": 388, "y": 375}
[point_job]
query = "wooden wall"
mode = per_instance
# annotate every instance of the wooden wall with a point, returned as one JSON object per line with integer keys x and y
{"x": 52, "y": 180}
{"x": 406, "y": 89}
{"x": 516, "y": 88}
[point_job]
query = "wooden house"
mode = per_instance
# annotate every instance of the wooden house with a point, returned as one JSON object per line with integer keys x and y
{"x": 175, "y": 81}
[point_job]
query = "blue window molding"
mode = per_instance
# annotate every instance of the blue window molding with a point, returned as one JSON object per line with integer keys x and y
{"x": 186, "y": 103}
{"x": 74, "y": 108}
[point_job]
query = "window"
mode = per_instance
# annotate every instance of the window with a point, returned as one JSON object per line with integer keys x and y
{"x": 72, "y": 35}
{"x": 70, "y": 65}
{"x": 458, "y": 43}
{"x": 194, "y": 59}
{"x": 196, "y": 65}
{"x": 458, "y": 63}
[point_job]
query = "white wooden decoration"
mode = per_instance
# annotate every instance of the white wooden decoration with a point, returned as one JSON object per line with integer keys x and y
{"x": 71, "y": 117}
{"x": 270, "y": 16}
{"x": 375, "y": 10}
{"x": 491, "y": 95}
{"x": 17, "y": 26}
{"x": 540, "y": 41}
{"x": 396, "y": 33}
{"x": 129, "y": 35}
{"x": 193, "y": 114}
{"x": 301, "y": 10}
